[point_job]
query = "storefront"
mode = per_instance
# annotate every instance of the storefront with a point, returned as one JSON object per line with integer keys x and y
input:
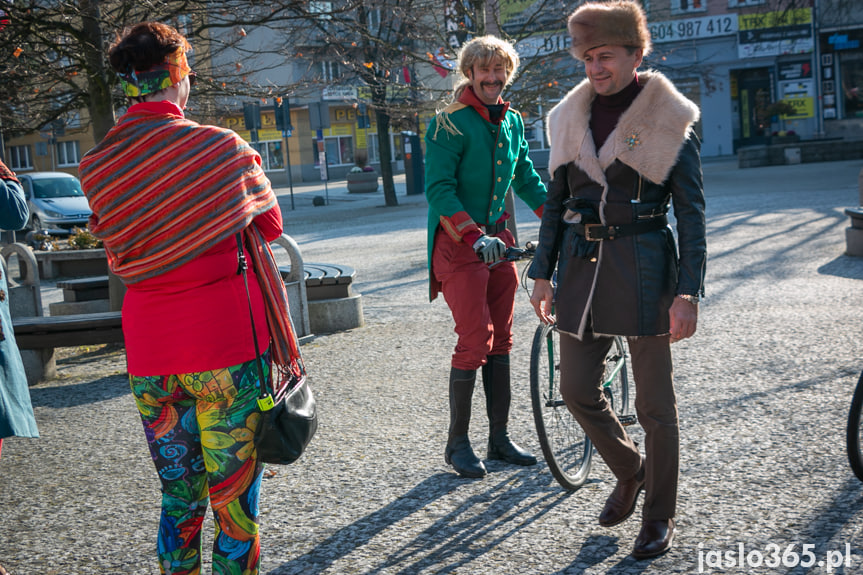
{"x": 348, "y": 132}
{"x": 776, "y": 99}
{"x": 842, "y": 74}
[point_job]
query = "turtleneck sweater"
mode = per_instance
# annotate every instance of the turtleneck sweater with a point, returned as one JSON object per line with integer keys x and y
{"x": 606, "y": 111}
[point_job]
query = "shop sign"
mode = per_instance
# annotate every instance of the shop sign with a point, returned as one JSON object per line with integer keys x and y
{"x": 775, "y": 33}
{"x": 693, "y": 28}
{"x": 778, "y": 19}
{"x": 799, "y": 94}
{"x": 804, "y": 108}
{"x": 538, "y": 45}
{"x": 795, "y": 70}
{"x": 842, "y": 42}
{"x": 339, "y": 93}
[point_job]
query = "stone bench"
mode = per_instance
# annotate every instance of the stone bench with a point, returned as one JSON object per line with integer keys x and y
{"x": 72, "y": 263}
{"x": 42, "y": 334}
{"x": 82, "y": 295}
{"x": 327, "y": 281}
{"x": 68, "y": 330}
{"x": 332, "y": 304}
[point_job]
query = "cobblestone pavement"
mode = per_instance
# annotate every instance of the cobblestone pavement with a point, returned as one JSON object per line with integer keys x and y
{"x": 764, "y": 388}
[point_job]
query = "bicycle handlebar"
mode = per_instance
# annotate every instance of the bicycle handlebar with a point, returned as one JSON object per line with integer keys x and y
{"x": 514, "y": 254}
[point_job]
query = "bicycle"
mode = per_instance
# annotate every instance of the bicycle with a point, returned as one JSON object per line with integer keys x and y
{"x": 566, "y": 448}
{"x": 854, "y": 432}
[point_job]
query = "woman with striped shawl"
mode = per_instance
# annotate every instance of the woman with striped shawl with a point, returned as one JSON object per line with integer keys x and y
{"x": 168, "y": 197}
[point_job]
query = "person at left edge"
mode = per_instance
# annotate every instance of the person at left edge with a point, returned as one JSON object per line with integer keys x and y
{"x": 168, "y": 197}
{"x": 16, "y": 411}
{"x": 475, "y": 152}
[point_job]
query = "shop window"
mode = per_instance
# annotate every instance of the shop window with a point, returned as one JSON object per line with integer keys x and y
{"x": 19, "y": 157}
{"x": 688, "y": 6}
{"x": 331, "y": 71}
{"x": 374, "y": 148}
{"x": 374, "y": 17}
{"x": 271, "y": 155}
{"x": 397, "y": 143}
{"x": 68, "y": 153}
{"x": 340, "y": 150}
{"x": 851, "y": 80}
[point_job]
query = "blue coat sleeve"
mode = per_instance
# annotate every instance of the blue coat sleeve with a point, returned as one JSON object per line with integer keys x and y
{"x": 13, "y": 205}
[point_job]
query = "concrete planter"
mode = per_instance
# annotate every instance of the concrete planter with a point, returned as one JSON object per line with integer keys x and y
{"x": 72, "y": 263}
{"x": 784, "y": 139}
{"x": 362, "y": 182}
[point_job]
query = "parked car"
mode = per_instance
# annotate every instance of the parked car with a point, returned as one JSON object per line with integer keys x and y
{"x": 56, "y": 201}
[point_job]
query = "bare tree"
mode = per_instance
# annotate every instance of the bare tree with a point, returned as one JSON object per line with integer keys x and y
{"x": 53, "y": 55}
{"x": 393, "y": 47}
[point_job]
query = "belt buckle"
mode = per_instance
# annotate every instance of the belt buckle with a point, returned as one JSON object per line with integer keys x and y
{"x": 588, "y": 234}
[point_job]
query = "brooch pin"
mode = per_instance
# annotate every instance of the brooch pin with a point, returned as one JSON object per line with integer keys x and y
{"x": 632, "y": 140}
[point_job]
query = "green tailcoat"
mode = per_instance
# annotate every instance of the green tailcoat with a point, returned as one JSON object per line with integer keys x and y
{"x": 471, "y": 164}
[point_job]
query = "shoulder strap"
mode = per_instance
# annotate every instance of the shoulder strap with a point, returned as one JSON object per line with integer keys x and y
{"x": 265, "y": 399}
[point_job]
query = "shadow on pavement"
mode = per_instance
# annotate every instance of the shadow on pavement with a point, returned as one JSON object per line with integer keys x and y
{"x": 826, "y": 524}
{"x": 844, "y": 266}
{"x": 478, "y": 524}
{"x": 56, "y": 395}
{"x": 594, "y": 550}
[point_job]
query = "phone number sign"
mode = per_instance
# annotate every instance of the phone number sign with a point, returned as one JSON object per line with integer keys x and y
{"x": 693, "y": 28}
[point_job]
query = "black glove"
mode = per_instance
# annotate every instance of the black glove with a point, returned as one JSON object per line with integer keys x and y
{"x": 489, "y": 248}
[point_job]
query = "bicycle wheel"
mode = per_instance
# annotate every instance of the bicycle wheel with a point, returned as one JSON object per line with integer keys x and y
{"x": 616, "y": 379}
{"x": 855, "y": 431}
{"x": 566, "y": 447}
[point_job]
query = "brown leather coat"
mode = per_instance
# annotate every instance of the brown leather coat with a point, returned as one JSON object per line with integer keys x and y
{"x": 649, "y": 163}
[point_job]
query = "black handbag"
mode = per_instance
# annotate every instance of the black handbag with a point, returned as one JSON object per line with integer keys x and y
{"x": 289, "y": 420}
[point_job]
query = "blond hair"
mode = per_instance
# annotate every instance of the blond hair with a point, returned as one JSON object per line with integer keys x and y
{"x": 483, "y": 50}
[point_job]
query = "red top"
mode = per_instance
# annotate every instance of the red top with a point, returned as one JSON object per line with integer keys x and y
{"x": 196, "y": 317}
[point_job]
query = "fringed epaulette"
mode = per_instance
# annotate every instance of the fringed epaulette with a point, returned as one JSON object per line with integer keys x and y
{"x": 444, "y": 123}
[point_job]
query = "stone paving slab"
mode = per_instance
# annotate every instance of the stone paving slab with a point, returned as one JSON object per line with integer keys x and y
{"x": 763, "y": 390}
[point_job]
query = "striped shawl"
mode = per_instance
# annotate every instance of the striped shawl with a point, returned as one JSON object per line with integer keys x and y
{"x": 164, "y": 189}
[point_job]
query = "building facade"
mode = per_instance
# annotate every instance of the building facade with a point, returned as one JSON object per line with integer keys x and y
{"x": 759, "y": 70}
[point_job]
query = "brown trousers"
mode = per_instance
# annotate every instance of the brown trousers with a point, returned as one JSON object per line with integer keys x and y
{"x": 581, "y": 371}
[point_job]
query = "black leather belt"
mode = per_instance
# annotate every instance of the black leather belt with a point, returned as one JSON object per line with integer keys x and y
{"x": 596, "y": 232}
{"x": 496, "y": 228}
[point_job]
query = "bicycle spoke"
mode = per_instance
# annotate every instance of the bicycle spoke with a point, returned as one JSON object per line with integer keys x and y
{"x": 566, "y": 448}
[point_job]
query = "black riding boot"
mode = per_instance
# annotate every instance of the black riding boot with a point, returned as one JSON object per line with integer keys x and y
{"x": 495, "y": 380}
{"x": 458, "y": 450}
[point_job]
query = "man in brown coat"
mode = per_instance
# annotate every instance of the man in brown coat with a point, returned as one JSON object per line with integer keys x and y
{"x": 622, "y": 152}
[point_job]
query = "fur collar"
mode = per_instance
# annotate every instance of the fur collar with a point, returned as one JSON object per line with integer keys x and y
{"x": 648, "y": 137}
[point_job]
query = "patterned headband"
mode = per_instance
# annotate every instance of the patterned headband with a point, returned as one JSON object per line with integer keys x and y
{"x": 161, "y": 76}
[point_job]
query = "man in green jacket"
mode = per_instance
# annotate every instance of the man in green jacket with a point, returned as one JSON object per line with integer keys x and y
{"x": 476, "y": 151}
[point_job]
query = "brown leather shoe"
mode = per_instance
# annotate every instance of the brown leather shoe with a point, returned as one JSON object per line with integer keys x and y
{"x": 655, "y": 538}
{"x": 621, "y": 503}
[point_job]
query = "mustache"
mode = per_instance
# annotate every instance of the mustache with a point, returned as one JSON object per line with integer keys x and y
{"x": 491, "y": 83}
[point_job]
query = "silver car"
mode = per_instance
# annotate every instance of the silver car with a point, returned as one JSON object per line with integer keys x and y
{"x": 56, "y": 201}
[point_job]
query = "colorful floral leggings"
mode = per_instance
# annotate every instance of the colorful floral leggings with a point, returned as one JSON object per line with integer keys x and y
{"x": 200, "y": 429}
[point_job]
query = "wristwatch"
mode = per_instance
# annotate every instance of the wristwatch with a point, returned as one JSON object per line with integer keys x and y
{"x": 693, "y": 299}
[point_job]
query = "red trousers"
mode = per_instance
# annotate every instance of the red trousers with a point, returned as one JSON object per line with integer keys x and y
{"x": 481, "y": 299}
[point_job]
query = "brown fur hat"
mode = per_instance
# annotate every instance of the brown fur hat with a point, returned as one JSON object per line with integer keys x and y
{"x": 618, "y": 22}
